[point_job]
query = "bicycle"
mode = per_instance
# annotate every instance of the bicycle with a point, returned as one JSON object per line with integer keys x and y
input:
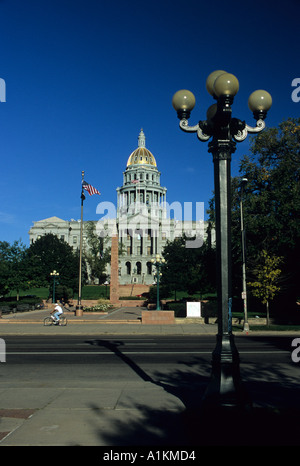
{"x": 49, "y": 320}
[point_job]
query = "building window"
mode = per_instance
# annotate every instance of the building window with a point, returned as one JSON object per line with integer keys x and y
{"x": 74, "y": 239}
{"x": 149, "y": 268}
{"x": 128, "y": 268}
{"x": 138, "y": 268}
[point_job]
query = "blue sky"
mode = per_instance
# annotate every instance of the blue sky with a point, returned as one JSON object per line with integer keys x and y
{"x": 84, "y": 76}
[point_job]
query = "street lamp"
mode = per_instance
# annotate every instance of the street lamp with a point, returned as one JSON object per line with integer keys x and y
{"x": 106, "y": 283}
{"x": 244, "y": 292}
{"x": 54, "y": 274}
{"x": 224, "y": 389}
{"x": 158, "y": 262}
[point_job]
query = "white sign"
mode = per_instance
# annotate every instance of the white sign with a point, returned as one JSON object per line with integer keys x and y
{"x": 193, "y": 309}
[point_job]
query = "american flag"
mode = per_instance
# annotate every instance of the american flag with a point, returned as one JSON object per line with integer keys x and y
{"x": 135, "y": 181}
{"x": 90, "y": 189}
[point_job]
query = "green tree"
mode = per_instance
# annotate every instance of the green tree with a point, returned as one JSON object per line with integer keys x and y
{"x": 4, "y": 267}
{"x": 267, "y": 274}
{"x": 175, "y": 270}
{"x": 13, "y": 270}
{"x": 189, "y": 269}
{"x": 50, "y": 253}
{"x": 272, "y": 197}
{"x": 95, "y": 254}
{"x": 271, "y": 207}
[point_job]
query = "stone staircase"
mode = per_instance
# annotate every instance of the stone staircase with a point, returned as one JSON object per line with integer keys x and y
{"x": 132, "y": 290}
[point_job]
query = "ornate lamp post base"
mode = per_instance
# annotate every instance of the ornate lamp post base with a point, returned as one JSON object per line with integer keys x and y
{"x": 225, "y": 389}
{"x": 79, "y": 310}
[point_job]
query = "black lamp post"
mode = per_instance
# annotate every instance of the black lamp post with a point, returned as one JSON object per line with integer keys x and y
{"x": 224, "y": 389}
{"x": 158, "y": 262}
{"x": 54, "y": 274}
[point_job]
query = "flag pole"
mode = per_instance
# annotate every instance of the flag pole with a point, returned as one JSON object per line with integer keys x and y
{"x": 79, "y": 307}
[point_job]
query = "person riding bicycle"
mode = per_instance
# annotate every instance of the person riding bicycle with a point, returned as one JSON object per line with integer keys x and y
{"x": 57, "y": 311}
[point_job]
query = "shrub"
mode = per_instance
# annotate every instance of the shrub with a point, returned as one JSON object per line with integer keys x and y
{"x": 132, "y": 298}
{"x": 24, "y": 303}
{"x": 64, "y": 293}
{"x": 209, "y": 308}
{"x": 164, "y": 293}
{"x": 179, "y": 308}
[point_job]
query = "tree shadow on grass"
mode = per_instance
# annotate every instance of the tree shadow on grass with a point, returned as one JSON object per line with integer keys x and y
{"x": 270, "y": 422}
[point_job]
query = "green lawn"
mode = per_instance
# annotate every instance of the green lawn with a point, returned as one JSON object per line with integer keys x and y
{"x": 88, "y": 292}
{"x": 42, "y": 293}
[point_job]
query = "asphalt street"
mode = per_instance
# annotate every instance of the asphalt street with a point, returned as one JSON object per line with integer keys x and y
{"x": 144, "y": 387}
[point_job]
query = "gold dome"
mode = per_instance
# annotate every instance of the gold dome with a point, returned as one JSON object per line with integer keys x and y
{"x": 141, "y": 155}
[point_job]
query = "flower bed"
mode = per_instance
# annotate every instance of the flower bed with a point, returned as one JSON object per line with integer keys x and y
{"x": 103, "y": 307}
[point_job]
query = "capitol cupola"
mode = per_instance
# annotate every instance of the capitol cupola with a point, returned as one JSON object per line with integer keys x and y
{"x": 141, "y": 155}
{"x": 141, "y": 181}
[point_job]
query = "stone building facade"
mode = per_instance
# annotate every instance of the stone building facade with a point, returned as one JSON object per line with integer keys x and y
{"x": 142, "y": 220}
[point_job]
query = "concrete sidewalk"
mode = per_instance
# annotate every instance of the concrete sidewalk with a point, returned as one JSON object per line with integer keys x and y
{"x": 109, "y": 414}
{"x": 132, "y": 415}
{"x": 121, "y": 321}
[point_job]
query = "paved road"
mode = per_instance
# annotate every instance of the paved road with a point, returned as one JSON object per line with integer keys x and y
{"x": 135, "y": 390}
